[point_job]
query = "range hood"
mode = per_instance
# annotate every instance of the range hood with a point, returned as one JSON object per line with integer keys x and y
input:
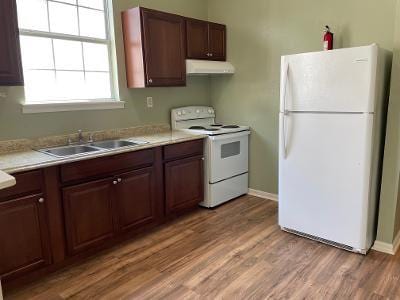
{"x": 207, "y": 67}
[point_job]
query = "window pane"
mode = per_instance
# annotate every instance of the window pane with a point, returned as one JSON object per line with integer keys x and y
{"x": 37, "y": 53}
{"x": 63, "y": 18}
{"x": 32, "y": 14}
{"x": 68, "y": 55}
{"x": 92, "y": 23}
{"x": 98, "y": 85}
{"x": 99, "y": 4}
{"x": 96, "y": 57}
{"x": 68, "y": 1}
{"x": 70, "y": 85}
{"x": 39, "y": 85}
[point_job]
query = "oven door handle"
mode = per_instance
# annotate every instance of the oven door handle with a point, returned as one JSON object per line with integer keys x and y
{"x": 229, "y": 136}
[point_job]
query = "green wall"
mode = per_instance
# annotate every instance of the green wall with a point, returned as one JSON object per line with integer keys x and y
{"x": 14, "y": 124}
{"x": 259, "y": 32}
{"x": 389, "y": 213}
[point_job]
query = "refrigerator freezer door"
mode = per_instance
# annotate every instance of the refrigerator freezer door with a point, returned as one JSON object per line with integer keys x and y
{"x": 331, "y": 81}
{"x": 324, "y": 179}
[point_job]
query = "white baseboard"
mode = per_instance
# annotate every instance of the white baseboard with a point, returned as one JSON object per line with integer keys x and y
{"x": 387, "y": 247}
{"x": 264, "y": 195}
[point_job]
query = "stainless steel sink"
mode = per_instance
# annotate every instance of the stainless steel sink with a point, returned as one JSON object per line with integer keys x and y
{"x": 68, "y": 151}
{"x": 114, "y": 144}
{"x": 78, "y": 150}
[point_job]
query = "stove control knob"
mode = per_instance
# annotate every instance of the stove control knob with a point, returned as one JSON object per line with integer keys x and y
{"x": 210, "y": 111}
{"x": 183, "y": 112}
{"x": 197, "y": 111}
{"x": 179, "y": 113}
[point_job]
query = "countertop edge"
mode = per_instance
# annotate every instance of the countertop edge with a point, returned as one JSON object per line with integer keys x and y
{"x": 53, "y": 161}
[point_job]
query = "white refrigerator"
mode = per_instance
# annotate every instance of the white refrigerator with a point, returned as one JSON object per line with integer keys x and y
{"x": 331, "y": 111}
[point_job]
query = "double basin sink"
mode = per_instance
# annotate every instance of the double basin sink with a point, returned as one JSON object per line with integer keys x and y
{"x": 82, "y": 149}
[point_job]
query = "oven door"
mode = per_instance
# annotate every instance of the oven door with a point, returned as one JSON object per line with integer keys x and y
{"x": 229, "y": 155}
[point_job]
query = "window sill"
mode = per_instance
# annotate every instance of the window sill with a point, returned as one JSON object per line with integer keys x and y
{"x": 46, "y": 107}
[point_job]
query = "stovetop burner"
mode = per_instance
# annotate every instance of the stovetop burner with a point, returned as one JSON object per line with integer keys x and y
{"x": 203, "y": 128}
{"x": 230, "y": 126}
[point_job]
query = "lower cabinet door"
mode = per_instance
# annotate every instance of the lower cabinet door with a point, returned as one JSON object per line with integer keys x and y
{"x": 135, "y": 199}
{"x": 24, "y": 238}
{"x": 184, "y": 186}
{"x": 88, "y": 214}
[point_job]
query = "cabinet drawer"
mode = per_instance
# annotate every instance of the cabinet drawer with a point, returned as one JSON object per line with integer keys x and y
{"x": 27, "y": 182}
{"x": 98, "y": 167}
{"x": 183, "y": 150}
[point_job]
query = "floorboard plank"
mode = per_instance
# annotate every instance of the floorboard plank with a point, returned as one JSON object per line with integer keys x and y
{"x": 236, "y": 251}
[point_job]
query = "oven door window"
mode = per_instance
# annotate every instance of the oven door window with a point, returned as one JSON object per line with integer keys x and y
{"x": 230, "y": 149}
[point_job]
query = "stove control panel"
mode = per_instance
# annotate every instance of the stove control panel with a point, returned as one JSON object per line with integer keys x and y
{"x": 192, "y": 113}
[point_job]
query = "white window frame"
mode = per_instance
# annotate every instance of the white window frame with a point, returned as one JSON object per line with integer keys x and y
{"x": 79, "y": 104}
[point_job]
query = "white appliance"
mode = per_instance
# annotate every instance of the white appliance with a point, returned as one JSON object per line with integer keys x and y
{"x": 208, "y": 67}
{"x": 226, "y": 157}
{"x": 331, "y": 112}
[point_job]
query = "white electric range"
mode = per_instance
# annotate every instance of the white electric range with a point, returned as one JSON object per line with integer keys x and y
{"x": 226, "y": 153}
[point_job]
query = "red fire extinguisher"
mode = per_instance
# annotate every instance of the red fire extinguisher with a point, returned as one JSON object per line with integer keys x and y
{"x": 328, "y": 38}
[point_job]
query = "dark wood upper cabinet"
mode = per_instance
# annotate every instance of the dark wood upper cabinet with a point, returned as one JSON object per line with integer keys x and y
{"x": 197, "y": 39}
{"x": 10, "y": 54}
{"x": 24, "y": 236}
{"x": 205, "y": 40}
{"x": 217, "y": 41}
{"x": 154, "y": 48}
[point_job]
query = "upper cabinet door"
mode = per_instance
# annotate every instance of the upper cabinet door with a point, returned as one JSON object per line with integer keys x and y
{"x": 164, "y": 48}
{"x": 217, "y": 41}
{"x": 197, "y": 39}
{"x": 10, "y": 56}
{"x": 154, "y": 48}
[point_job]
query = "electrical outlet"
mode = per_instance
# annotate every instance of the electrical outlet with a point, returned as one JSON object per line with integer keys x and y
{"x": 150, "y": 102}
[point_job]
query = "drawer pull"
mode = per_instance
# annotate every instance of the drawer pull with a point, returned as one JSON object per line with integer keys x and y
{"x": 115, "y": 182}
{"x": 119, "y": 180}
{"x": 41, "y": 200}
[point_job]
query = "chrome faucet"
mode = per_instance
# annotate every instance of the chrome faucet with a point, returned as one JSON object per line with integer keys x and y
{"x": 80, "y": 137}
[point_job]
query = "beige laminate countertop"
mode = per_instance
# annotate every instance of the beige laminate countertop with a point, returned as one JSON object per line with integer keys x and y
{"x": 14, "y": 162}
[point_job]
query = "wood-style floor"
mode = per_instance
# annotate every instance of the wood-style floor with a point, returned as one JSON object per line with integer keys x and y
{"x": 236, "y": 251}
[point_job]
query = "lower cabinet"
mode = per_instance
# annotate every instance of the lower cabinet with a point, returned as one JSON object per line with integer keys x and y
{"x": 24, "y": 236}
{"x": 135, "y": 199}
{"x": 49, "y": 217}
{"x": 99, "y": 210}
{"x": 184, "y": 183}
{"x": 88, "y": 214}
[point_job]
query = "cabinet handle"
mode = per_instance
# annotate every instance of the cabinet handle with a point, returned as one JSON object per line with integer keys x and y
{"x": 41, "y": 200}
{"x": 150, "y": 80}
{"x": 208, "y": 54}
{"x": 115, "y": 182}
{"x": 202, "y": 158}
{"x": 211, "y": 54}
{"x": 119, "y": 179}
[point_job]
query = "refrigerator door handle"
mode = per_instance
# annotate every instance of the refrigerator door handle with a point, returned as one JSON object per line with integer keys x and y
{"x": 285, "y": 83}
{"x": 284, "y": 115}
{"x": 285, "y": 111}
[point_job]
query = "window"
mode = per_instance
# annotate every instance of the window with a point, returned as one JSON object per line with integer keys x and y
{"x": 65, "y": 46}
